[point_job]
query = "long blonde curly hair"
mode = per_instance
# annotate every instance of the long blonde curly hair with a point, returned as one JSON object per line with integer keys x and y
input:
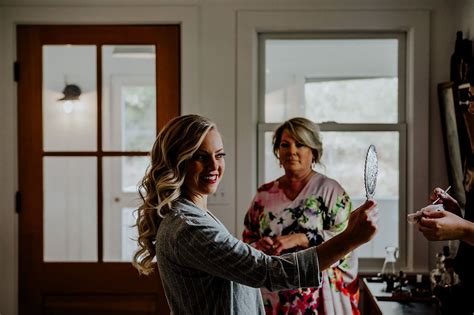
{"x": 163, "y": 182}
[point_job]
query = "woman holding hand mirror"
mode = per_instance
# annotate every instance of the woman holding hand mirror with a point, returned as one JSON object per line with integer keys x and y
{"x": 205, "y": 269}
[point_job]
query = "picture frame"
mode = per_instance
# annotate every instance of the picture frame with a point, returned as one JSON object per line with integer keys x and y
{"x": 451, "y": 137}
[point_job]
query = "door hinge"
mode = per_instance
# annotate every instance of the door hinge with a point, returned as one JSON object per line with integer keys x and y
{"x": 16, "y": 71}
{"x": 18, "y": 202}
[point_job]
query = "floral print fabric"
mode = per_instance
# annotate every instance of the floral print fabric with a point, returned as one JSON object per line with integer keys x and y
{"x": 321, "y": 210}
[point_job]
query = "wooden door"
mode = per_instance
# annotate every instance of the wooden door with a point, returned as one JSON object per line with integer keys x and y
{"x": 80, "y": 160}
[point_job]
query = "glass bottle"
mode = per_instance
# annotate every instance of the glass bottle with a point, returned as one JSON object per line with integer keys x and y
{"x": 391, "y": 255}
{"x": 450, "y": 277}
{"x": 437, "y": 273}
{"x": 456, "y": 60}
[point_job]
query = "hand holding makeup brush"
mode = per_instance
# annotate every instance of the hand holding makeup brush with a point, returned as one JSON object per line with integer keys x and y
{"x": 440, "y": 196}
{"x": 440, "y": 199}
{"x": 443, "y": 221}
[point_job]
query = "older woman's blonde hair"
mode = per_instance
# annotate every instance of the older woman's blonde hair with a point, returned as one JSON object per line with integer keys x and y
{"x": 303, "y": 131}
{"x": 163, "y": 182}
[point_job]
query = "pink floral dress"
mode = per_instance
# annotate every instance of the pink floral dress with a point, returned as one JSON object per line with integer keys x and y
{"x": 321, "y": 210}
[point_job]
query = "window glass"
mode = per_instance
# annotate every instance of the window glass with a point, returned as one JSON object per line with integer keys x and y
{"x": 371, "y": 100}
{"x": 122, "y": 175}
{"x": 353, "y": 82}
{"x": 70, "y": 208}
{"x": 69, "y": 98}
{"x": 128, "y": 97}
{"x": 341, "y": 80}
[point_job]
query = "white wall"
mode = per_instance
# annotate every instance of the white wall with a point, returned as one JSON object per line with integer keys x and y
{"x": 464, "y": 13}
{"x": 209, "y": 82}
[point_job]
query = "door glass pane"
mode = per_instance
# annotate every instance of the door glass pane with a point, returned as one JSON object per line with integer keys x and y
{"x": 128, "y": 97}
{"x": 343, "y": 160}
{"x": 341, "y": 80}
{"x": 121, "y": 199}
{"x": 70, "y": 209}
{"x": 69, "y": 98}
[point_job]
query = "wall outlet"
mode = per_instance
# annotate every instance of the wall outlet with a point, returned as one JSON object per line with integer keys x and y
{"x": 218, "y": 198}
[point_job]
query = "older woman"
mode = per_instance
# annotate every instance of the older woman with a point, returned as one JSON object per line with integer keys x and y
{"x": 203, "y": 268}
{"x": 303, "y": 208}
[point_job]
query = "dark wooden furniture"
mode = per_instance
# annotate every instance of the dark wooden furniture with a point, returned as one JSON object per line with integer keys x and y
{"x": 374, "y": 301}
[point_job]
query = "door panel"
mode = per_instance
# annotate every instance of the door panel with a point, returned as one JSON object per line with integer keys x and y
{"x": 69, "y": 209}
{"x": 80, "y": 155}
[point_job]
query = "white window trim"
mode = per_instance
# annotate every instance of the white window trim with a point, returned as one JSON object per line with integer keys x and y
{"x": 415, "y": 24}
{"x": 369, "y": 264}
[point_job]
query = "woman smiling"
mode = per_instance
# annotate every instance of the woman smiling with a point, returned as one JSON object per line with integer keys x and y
{"x": 204, "y": 269}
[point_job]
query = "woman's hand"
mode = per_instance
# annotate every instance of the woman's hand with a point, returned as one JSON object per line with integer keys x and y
{"x": 285, "y": 242}
{"x": 265, "y": 244}
{"x": 448, "y": 202}
{"x": 362, "y": 223}
{"x": 444, "y": 225}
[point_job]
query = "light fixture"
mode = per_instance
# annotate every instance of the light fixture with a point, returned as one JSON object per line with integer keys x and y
{"x": 71, "y": 95}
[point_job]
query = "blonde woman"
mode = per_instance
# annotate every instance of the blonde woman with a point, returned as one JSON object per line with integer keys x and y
{"x": 301, "y": 209}
{"x": 203, "y": 268}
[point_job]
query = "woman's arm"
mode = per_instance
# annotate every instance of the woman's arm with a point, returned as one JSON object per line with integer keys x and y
{"x": 209, "y": 247}
{"x": 361, "y": 228}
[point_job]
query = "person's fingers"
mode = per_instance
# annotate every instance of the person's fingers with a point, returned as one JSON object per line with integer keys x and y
{"x": 283, "y": 243}
{"x": 279, "y": 238}
{"x": 363, "y": 211}
{"x": 267, "y": 240}
{"x": 433, "y": 213}
{"x": 423, "y": 228}
{"x": 447, "y": 198}
{"x": 444, "y": 198}
{"x": 368, "y": 204}
{"x": 428, "y": 223}
{"x": 277, "y": 248}
{"x": 265, "y": 244}
{"x": 373, "y": 214}
{"x": 436, "y": 207}
{"x": 429, "y": 234}
{"x": 375, "y": 217}
{"x": 436, "y": 193}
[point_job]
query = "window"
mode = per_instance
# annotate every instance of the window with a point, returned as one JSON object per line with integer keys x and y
{"x": 352, "y": 85}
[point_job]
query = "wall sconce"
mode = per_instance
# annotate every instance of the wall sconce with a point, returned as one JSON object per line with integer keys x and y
{"x": 71, "y": 95}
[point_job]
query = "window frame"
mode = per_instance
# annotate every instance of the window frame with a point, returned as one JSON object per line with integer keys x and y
{"x": 368, "y": 264}
{"x": 415, "y": 24}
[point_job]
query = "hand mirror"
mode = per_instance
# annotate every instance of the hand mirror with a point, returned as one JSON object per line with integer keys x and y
{"x": 370, "y": 172}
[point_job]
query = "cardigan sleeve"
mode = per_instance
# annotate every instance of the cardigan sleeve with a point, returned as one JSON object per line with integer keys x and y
{"x": 207, "y": 246}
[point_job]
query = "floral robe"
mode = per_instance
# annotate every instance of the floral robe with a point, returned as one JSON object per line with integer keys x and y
{"x": 321, "y": 210}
